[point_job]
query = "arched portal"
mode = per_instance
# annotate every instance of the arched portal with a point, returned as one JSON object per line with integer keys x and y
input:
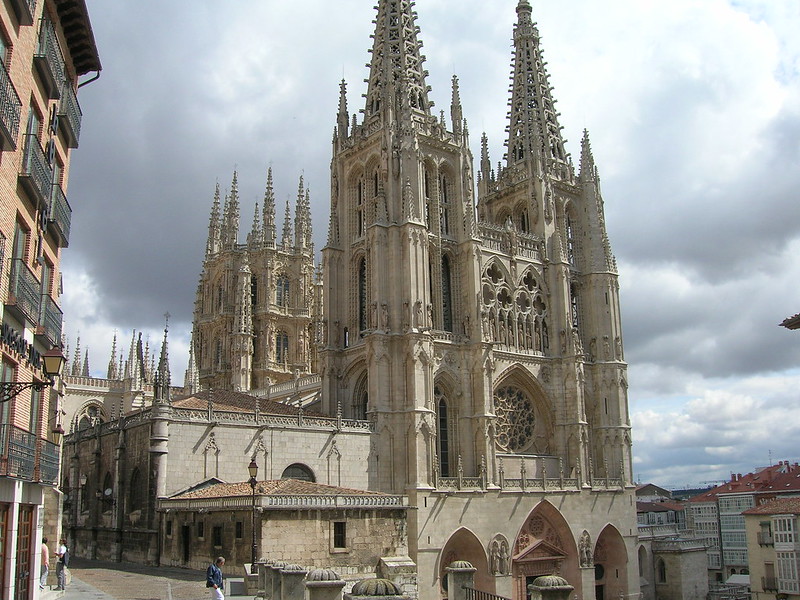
{"x": 464, "y": 545}
{"x": 544, "y": 546}
{"x": 610, "y": 565}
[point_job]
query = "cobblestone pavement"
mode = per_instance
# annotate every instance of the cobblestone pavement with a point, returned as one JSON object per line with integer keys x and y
{"x": 98, "y": 580}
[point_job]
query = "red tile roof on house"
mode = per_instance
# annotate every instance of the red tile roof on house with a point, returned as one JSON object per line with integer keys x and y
{"x": 780, "y": 506}
{"x": 273, "y": 487}
{"x": 780, "y": 478}
{"x": 226, "y": 400}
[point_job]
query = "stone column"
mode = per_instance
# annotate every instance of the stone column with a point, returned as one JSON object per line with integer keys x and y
{"x": 292, "y": 582}
{"x": 460, "y": 574}
{"x": 324, "y": 584}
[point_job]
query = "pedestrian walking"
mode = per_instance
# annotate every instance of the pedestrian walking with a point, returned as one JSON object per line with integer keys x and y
{"x": 214, "y": 578}
{"x": 62, "y": 563}
{"x": 45, "y": 564}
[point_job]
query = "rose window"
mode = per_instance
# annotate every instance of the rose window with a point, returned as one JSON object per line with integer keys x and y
{"x": 515, "y": 419}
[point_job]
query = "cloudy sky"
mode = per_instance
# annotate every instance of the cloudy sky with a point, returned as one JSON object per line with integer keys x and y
{"x": 693, "y": 107}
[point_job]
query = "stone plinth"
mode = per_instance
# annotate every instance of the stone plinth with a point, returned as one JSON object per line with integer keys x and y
{"x": 375, "y": 589}
{"x": 292, "y": 587}
{"x": 460, "y": 575}
{"x": 550, "y": 587}
{"x": 324, "y": 584}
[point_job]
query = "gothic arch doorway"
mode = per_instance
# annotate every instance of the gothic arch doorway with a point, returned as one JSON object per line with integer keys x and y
{"x": 464, "y": 545}
{"x": 544, "y": 546}
{"x": 610, "y": 565}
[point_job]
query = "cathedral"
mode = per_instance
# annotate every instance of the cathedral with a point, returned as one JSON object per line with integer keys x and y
{"x": 464, "y": 326}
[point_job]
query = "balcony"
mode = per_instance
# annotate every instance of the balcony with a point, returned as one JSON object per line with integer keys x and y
{"x": 10, "y": 107}
{"x": 60, "y": 216}
{"x": 23, "y": 292}
{"x": 69, "y": 115}
{"x": 36, "y": 175}
{"x": 49, "y": 61}
{"x": 17, "y": 453}
{"x": 769, "y": 584}
{"x": 765, "y": 539}
{"x": 49, "y": 461}
{"x": 50, "y": 318}
{"x": 24, "y": 10}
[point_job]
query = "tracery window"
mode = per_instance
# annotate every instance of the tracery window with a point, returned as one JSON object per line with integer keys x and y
{"x": 362, "y": 295}
{"x": 282, "y": 290}
{"x": 515, "y": 419}
{"x": 281, "y": 347}
{"x": 443, "y": 432}
{"x": 135, "y": 491}
{"x": 447, "y": 295}
{"x": 298, "y": 471}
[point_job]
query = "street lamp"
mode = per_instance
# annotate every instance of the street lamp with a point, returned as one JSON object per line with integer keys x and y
{"x": 53, "y": 361}
{"x": 253, "y": 469}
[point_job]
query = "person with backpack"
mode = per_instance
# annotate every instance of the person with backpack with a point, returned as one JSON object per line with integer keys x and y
{"x": 62, "y": 563}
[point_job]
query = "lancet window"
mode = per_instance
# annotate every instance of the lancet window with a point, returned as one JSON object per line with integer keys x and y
{"x": 281, "y": 347}
{"x": 444, "y": 204}
{"x": 135, "y": 495}
{"x": 443, "y": 432}
{"x": 282, "y": 290}
{"x": 447, "y": 295}
{"x": 360, "y": 399}
{"x": 362, "y": 295}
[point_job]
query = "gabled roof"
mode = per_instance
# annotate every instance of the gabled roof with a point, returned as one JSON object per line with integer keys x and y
{"x": 229, "y": 401}
{"x": 781, "y": 477}
{"x": 644, "y": 507}
{"x": 792, "y": 322}
{"x": 273, "y": 487}
{"x": 539, "y": 550}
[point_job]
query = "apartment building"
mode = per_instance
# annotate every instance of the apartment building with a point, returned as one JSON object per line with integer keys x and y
{"x": 45, "y": 46}
{"x": 773, "y": 543}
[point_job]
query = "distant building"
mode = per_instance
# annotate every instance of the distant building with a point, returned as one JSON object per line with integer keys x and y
{"x": 773, "y": 544}
{"x": 716, "y": 515}
{"x": 792, "y": 322}
{"x": 45, "y": 46}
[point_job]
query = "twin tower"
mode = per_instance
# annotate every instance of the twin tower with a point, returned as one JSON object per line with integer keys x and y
{"x": 472, "y": 317}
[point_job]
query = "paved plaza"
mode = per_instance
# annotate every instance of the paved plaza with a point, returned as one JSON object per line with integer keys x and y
{"x": 99, "y": 580}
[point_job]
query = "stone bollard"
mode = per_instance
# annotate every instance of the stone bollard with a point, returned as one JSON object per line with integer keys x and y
{"x": 460, "y": 574}
{"x": 550, "y": 587}
{"x": 292, "y": 577}
{"x": 324, "y": 584}
{"x": 273, "y": 589}
{"x": 375, "y": 589}
{"x": 263, "y": 565}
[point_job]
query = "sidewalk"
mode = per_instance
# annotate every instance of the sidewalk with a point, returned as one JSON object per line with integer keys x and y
{"x": 99, "y": 580}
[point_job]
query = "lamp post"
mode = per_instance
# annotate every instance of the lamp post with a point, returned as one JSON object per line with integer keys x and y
{"x": 253, "y": 469}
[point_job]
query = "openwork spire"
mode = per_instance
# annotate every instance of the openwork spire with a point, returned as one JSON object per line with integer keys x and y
{"x": 212, "y": 245}
{"x": 342, "y": 117}
{"x": 230, "y": 231}
{"x": 161, "y": 378}
{"x": 254, "y": 238}
{"x": 302, "y": 217}
{"x": 588, "y": 169}
{"x": 111, "y": 373}
{"x": 269, "y": 212}
{"x": 533, "y": 129}
{"x": 396, "y": 63}
{"x": 191, "y": 378}
{"x": 286, "y": 238}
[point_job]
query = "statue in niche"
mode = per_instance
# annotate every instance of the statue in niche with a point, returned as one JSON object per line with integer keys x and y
{"x": 418, "y": 314}
{"x": 618, "y": 344}
{"x": 585, "y": 551}
{"x": 373, "y": 315}
{"x": 606, "y": 348}
{"x": 406, "y": 316}
{"x": 430, "y": 315}
{"x": 384, "y": 317}
{"x": 485, "y": 331}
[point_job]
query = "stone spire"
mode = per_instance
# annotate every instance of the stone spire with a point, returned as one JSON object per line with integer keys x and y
{"x": 342, "y": 117}
{"x": 533, "y": 130}
{"x": 230, "y": 227}
{"x": 302, "y": 217}
{"x": 588, "y": 170}
{"x": 397, "y": 64}
{"x": 286, "y": 239}
{"x": 269, "y": 212}
{"x": 456, "y": 112}
{"x": 112, "y": 363}
{"x": 76, "y": 360}
{"x": 212, "y": 245}
{"x": 161, "y": 378}
{"x": 191, "y": 378}
{"x": 599, "y": 244}
{"x": 85, "y": 370}
{"x": 254, "y": 237}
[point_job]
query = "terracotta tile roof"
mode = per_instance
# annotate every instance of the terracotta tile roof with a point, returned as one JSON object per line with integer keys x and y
{"x": 274, "y": 487}
{"x": 781, "y": 506}
{"x": 226, "y": 400}
{"x": 782, "y": 477}
{"x": 658, "y": 506}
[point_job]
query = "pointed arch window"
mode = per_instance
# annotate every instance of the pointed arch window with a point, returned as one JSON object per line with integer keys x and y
{"x": 444, "y": 204}
{"x": 442, "y": 432}
{"x": 282, "y": 290}
{"x": 136, "y": 493}
{"x": 570, "y": 241}
{"x": 281, "y": 347}
{"x": 573, "y": 297}
{"x": 426, "y": 184}
{"x": 447, "y": 295}
{"x": 362, "y": 295}
{"x": 360, "y": 193}
{"x": 360, "y": 399}
{"x": 254, "y": 291}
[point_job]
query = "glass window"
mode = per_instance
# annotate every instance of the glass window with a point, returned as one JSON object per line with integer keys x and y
{"x": 339, "y": 534}
{"x": 298, "y": 471}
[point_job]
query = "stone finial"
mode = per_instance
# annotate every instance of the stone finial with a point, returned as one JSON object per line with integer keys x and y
{"x": 375, "y": 587}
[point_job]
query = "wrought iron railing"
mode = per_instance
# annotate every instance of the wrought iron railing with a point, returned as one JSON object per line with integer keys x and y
{"x": 25, "y": 289}
{"x": 473, "y": 594}
{"x": 69, "y": 115}
{"x": 36, "y": 171}
{"x": 50, "y": 320}
{"x": 18, "y": 458}
{"x": 60, "y": 214}
{"x": 765, "y": 539}
{"x": 49, "y": 60}
{"x": 769, "y": 584}
{"x": 49, "y": 459}
{"x": 10, "y": 108}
